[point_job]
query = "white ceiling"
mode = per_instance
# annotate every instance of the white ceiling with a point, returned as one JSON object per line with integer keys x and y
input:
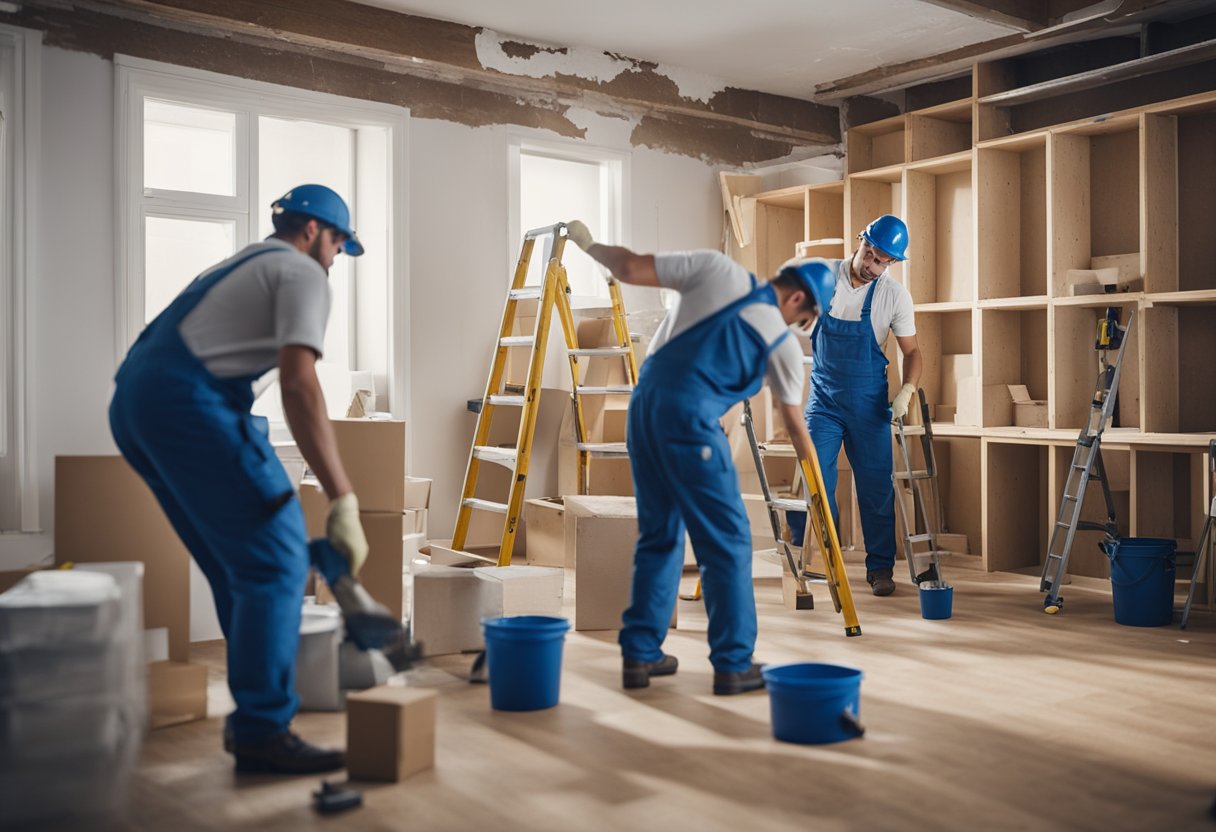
{"x": 777, "y": 46}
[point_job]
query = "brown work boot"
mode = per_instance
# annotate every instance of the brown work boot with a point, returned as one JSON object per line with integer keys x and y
{"x": 880, "y": 581}
{"x": 729, "y": 683}
{"x": 636, "y": 674}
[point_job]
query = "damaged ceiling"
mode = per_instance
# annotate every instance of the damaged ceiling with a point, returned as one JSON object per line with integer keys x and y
{"x": 738, "y": 86}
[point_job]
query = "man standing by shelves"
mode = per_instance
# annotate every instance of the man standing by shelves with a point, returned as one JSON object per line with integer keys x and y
{"x": 848, "y": 401}
{"x": 729, "y": 334}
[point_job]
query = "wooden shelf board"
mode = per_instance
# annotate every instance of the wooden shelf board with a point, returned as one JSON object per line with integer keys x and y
{"x": 877, "y": 128}
{"x": 944, "y": 306}
{"x": 1101, "y": 301}
{"x": 791, "y": 197}
{"x": 1017, "y": 142}
{"x": 944, "y": 164}
{"x": 890, "y": 173}
{"x": 1030, "y": 302}
{"x": 835, "y": 188}
{"x": 959, "y": 110}
{"x": 951, "y": 429}
{"x": 1201, "y": 297}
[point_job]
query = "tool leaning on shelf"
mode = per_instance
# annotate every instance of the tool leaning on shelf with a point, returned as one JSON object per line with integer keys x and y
{"x": 930, "y": 509}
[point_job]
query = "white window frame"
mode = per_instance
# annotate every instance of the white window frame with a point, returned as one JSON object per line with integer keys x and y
{"x": 614, "y": 166}
{"x": 136, "y": 78}
{"x": 20, "y": 163}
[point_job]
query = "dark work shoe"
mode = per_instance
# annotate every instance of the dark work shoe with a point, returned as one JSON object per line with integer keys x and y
{"x": 880, "y": 581}
{"x": 726, "y": 684}
{"x": 636, "y": 674}
{"x": 286, "y": 753}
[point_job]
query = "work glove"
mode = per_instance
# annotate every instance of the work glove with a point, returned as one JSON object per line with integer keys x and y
{"x": 899, "y": 407}
{"x": 345, "y": 532}
{"x": 578, "y": 234}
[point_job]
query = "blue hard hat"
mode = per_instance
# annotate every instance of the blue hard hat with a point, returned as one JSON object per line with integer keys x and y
{"x": 816, "y": 276}
{"x": 889, "y": 235}
{"x": 324, "y": 204}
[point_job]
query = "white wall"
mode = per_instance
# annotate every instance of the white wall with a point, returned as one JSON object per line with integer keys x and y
{"x": 458, "y": 250}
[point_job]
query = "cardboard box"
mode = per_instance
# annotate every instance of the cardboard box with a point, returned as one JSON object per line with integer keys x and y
{"x": 417, "y": 493}
{"x": 1126, "y": 267}
{"x": 520, "y": 590}
{"x": 446, "y": 608}
{"x": 177, "y": 693}
{"x": 373, "y": 453}
{"x": 601, "y": 535}
{"x": 104, "y": 512}
{"x": 983, "y": 404}
{"x": 546, "y": 524}
{"x": 953, "y": 543}
{"x": 1027, "y": 412}
{"x": 390, "y": 732}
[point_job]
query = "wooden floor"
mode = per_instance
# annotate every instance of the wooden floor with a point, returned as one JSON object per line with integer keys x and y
{"x": 1000, "y": 718}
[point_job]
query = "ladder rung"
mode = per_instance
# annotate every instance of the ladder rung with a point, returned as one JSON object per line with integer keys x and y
{"x": 607, "y": 390}
{"x": 1063, "y": 525}
{"x": 604, "y": 449}
{"x": 485, "y": 505}
{"x": 517, "y": 341}
{"x": 1072, "y": 497}
{"x": 919, "y": 538}
{"x": 914, "y": 475}
{"x": 808, "y": 360}
{"x": 914, "y": 430}
{"x": 526, "y": 293}
{"x": 490, "y": 453}
{"x": 788, "y": 505}
{"x": 775, "y": 449}
{"x": 510, "y": 401}
{"x": 592, "y": 352}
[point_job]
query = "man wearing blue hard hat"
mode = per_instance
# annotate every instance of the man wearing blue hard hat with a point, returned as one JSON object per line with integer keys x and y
{"x": 848, "y": 401}
{"x": 727, "y": 336}
{"x": 181, "y": 416}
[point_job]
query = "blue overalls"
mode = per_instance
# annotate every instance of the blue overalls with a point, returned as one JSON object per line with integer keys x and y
{"x": 683, "y": 477}
{"x": 192, "y": 438}
{"x": 848, "y": 403}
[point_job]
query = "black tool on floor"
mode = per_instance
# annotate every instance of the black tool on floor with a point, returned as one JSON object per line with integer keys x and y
{"x": 333, "y": 798}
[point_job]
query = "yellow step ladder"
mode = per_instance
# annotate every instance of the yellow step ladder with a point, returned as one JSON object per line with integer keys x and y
{"x": 553, "y": 293}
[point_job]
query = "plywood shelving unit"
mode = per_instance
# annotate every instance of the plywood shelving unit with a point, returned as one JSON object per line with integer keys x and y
{"x": 1003, "y": 211}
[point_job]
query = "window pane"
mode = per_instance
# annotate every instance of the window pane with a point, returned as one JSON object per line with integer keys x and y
{"x": 176, "y": 251}
{"x": 557, "y": 190}
{"x": 189, "y": 148}
{"x": 291, "y": 153}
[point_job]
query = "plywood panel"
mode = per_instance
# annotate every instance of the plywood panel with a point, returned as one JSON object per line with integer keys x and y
{"x": 1115, "y": 200}
{"x": 825, "y": 215}
{"x": 953, "y": 229}
{"x": 1068, "y": 220}
{"x": 1159, "y": 208}
{"x": 998, "y": 222}
{"x": 1032, "y": 259}
{"x": 922, "y": 267}
{"x": 1159, "y": 357}
{"x": 931, "y": 137}
{"x": 778, "y": 232}
{"x": 1014, "y": 503}
{"x": 960, "y": 487}
{"x": 1197, "y": 369}
{"x": 1033, "y": 332}
{"x": 1196, "y": 200}
{"x": 888, "y": 149}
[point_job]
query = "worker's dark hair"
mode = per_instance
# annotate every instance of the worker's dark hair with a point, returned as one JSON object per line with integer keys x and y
{"x": 291, "y": 223}
{"x": 790, "y": 281}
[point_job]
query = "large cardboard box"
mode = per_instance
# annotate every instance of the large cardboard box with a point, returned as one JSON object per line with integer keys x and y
{"x": 546, "y": 524}
{"x": 105, "y": 512}
{"x": 520, "y": 590}
{"x": 446, "y": 608}
{"x": 1027, "y": 412}
{"x": 601, "y": 534}
{"x": 373, "y": 453}
{"x": 390, "y": 732}
{"x": 177, "y": 693}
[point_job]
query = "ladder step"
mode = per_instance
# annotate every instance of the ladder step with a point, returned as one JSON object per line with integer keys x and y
{"x": 608, "y": 390}
{"x": 517, "y": 341}
{"x": 1063, "y": 525}
{"x": 776, "y": 449}
{"x": 502, "y": 456}
{"x": 919, "y": 538}
{"x": 604, "y": 449}
{"x": 509, "y": 401}
{"x": 914, "y": 430}
{"x": 1072, "y": 497}
{"x": 592, "y": 352}
{"x": 914, "y": 475}
{"x": 788, "y": 505}
{"x": 526, "y": 293}
{"x": 808, "y": 360}
{"x": 485, "y": 505}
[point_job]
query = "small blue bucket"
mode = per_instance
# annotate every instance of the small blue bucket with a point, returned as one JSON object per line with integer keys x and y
{"x": 1142, "y": 580}
{"x": 814, "y": 703}
{"x": 936, "y": 602}
{"x": 524, "y": 658}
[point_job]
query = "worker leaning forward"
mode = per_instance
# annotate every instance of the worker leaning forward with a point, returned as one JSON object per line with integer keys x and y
{"x": 181, "y": 417}
{"x": 714, "y": 351}
{"x": 848, "y": 401}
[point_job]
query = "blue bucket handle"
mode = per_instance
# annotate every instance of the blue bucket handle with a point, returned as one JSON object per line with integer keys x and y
{"x": 1111, "y": 549}
{"x": 850, "y": 724}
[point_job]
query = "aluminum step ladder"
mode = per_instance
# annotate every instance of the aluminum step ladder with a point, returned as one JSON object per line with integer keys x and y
{"x": 919, "y": 481}
{"x": 1205, "y": 540}
{"x": 553, "y": 293}
{"x": 1087, "y": 463}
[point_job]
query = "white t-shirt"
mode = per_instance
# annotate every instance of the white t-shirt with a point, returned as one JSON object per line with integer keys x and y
{"x": 709, "y": 281}
{"x": 276, "y": 299}
{"x": 890, "y": 311}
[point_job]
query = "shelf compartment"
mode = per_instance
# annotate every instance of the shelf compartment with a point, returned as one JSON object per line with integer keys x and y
{"x": 947, "y": 350}
{"x": 1011, "y": 213}
{"x": 1014, "y": 351}
{"x": 825, "y": 211}
{"x": 876, "y": 145}
{"x": 1196, "y": 200}
{"x": 939, "y": 131}
{"x": 865, "y": 200}
{"x": 1016, "y": 515}
{"x": 1180, "y": 377}
{"x": 941, "y": 250}
{"x": 780, "y": 224}
{"x": 1085, "y": 558}
{"x": 1171, "y": 493}
{"x": 1075, "y": 367}
{"x": 1094, "y": 197}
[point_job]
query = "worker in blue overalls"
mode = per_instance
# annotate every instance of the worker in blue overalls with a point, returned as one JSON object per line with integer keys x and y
{"x": 848, "y": 401}
{"x": 181, "y": 417}
{"x": 716, "y": 349}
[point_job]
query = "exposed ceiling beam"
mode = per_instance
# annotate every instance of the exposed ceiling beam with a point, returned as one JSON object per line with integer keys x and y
{"x": 1023, "y": 15}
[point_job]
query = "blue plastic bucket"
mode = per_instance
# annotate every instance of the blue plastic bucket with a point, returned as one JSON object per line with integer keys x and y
{"x": 524, "y": 659}
{"x": 814, "y": 703}
{"x": 1142, "y": 580}
{"x": 936, "y": 602}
